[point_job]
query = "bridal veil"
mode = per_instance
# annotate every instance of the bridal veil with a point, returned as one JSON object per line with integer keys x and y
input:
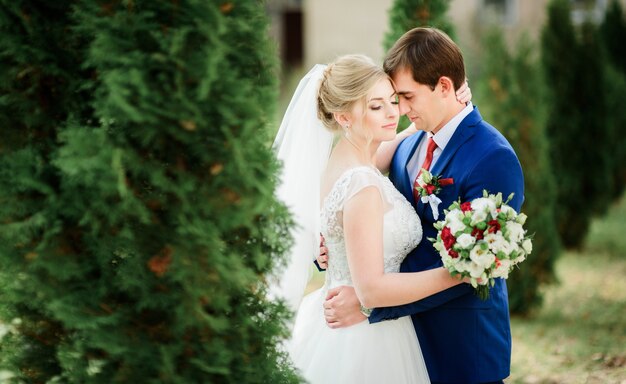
{"x": 303, "y": 146}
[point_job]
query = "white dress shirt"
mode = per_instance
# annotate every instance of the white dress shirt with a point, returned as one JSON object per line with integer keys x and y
{"x": 441, "y": 138}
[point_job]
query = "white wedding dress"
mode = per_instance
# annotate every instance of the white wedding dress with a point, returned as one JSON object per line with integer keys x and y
{"x": 385, "y": 352}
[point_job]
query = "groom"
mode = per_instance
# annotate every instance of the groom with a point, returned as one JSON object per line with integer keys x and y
{"x": 463, "y": 339}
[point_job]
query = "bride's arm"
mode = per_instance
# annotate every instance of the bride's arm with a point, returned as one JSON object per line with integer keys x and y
{"x": 363, "y": 229}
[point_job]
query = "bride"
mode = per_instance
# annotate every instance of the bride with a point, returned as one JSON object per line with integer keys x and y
{"x": 368, "y": 226}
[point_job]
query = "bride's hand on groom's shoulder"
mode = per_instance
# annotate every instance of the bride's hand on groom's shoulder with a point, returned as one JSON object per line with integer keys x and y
{"x": 342, "y": 307}
{"x": 464, "y": 93}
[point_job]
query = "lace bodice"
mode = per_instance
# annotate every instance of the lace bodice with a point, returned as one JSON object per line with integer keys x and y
{"x": 402, "y": 230}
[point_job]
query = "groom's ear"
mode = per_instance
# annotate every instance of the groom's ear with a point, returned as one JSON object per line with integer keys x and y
{"x": 446, "y": 86}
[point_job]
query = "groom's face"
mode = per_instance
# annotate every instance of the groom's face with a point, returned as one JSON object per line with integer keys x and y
{"x": 419, "y": 102}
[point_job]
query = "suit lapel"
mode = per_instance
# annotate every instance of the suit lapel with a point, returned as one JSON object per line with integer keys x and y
{"x": 460, "y": 136}
{"x": 401, "y": 178}
{"x": 419, "y": 136}
{"x": 399, "y": 173}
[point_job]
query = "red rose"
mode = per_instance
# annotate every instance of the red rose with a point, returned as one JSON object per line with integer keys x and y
{"x": 494, "y": 226}
{"x": 467, "y": 206}
{"x": 498, "y": 263}
{"x": 430, "y": 189}
{"x": 447, "y": 237}
{"x": 453, "y": 254}
{"x": 478, "y": 234}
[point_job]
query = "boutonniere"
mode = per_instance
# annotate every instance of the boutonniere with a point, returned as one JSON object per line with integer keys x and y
{"x": 428, "y": 186}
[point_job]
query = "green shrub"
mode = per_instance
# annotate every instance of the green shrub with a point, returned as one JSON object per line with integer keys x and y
{"x": 137, "y": 211}
{"x": 576, "y": 125}
{"x": 405, "y": 15}
{"x": 613, "y": 35}
{"x": 511, "y": 94}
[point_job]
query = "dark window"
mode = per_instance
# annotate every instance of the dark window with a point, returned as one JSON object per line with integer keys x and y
{"x": 292, "y": 37}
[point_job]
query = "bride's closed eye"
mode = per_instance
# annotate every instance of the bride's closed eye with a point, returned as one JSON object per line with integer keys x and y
{"x": 377, "y": 107}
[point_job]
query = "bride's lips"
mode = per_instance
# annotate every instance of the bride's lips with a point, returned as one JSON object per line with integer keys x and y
{"x": 390, "y": 126}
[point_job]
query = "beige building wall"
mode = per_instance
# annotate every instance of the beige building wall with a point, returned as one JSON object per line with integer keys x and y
{"x": 335, "y": 27}
{"x": 471, "y": 20}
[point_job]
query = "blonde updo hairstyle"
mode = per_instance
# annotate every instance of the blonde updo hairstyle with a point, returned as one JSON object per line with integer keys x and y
{"x": 346, "y": 82}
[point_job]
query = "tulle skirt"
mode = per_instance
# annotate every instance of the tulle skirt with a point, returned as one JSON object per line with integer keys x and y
{"x": 385, "y": 352}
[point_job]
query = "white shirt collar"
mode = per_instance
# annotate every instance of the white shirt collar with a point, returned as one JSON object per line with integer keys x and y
{"x": 443, "y": 136}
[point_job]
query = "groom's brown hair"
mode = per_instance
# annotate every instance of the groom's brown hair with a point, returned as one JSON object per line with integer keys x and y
{"x": 429, "y": 54}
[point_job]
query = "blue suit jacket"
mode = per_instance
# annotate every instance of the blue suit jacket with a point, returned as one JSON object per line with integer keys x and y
{"x": 463, "y": 339}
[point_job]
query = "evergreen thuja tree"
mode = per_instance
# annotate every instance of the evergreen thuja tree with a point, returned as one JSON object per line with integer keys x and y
{"x": 613, "y": 31}
{"x": 40, "y": 88}
{"x": 613, "y": 35}
{"x": 408, "y": 14}
{"x": 575, "y": 124}
{"x": 512, "y": 93}
{"x": 405, "y": 15}
{"x": 138, "y": 218}
{"x": 591, "y": 101}
{"x": 615, "y": 86}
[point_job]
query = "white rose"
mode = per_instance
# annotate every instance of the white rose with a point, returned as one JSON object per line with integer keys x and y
{"x": 482, "y": 257}
{"x": 508, "y": 211}
{"x": 527, "y": 245}
{"x": 463, "y": 266}
{"x": 465, "y": 240}
{"x": 454, "y": 222}
{"x": 483, "y": 204}
{"x": 478, "y": 216}
{"x": 448, "y": 261}
{"x": 476, "y": 271}
{"x": 511, "y": 247}
{"x": 515, "y": 231}
{"x": 503, "y": 269}
{"x": 496, "y": 243}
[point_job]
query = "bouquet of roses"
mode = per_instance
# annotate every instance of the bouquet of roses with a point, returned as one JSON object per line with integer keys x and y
{"x": 483, "y": 240}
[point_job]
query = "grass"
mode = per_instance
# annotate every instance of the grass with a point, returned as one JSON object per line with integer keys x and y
{"x": 578, "y": 336}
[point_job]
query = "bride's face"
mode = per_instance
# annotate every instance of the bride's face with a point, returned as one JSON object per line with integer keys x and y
{"x": 381, "y": 115}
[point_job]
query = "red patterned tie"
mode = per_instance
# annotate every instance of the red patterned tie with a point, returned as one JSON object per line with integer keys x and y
{"x": 426, "y": 165}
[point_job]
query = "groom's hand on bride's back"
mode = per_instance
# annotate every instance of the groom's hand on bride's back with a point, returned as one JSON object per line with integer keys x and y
{"x": 322, "y": 259}
{"x": 342, "y": 307}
